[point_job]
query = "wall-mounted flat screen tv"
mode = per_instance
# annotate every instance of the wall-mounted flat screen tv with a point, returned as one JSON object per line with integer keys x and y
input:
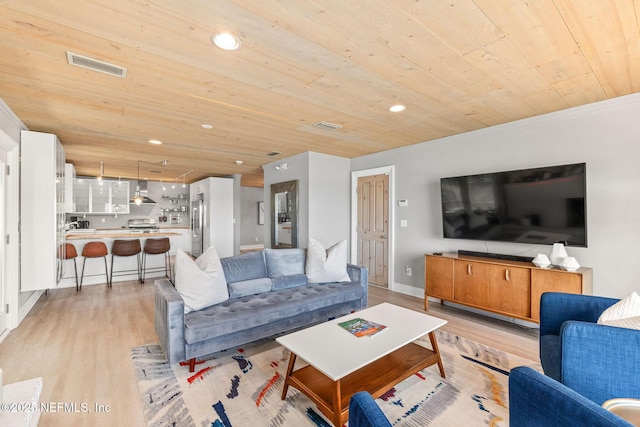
{"x": 539, "y": 206}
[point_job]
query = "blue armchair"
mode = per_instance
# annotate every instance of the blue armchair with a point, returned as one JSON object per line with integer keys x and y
{"x": 365, "y": 412}
{"x": 536, "y": 400}
{"x": 597, "y": 361}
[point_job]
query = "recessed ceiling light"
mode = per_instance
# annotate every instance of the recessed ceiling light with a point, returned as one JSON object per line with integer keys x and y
{"x": 206, "y": 126}
{"x": 239, "y": 162}
{"x": 155, "y": 141}
{"x": 226, "y": 41}
{"x": 397, "y": 108}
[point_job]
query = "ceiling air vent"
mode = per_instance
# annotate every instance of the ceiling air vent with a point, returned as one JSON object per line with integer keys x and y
{"x": 96, "y": 65}
{"x": 327, "y": 126}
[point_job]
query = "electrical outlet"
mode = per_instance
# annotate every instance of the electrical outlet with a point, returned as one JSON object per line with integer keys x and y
{"x": 103, "y": 220}
{"x": 408, "y": 270}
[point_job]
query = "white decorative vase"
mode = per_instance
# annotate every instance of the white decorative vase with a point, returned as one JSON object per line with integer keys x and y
{"x": 570, "y": 264}
{"x": 542, "y": 261}
{"x": 558, "y": 254}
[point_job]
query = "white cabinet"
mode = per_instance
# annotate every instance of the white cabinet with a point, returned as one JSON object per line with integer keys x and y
{"x": 179, "y": 242}
{"x": 100, "y": 196}
{"x": 41, "y": 209}
{"x": 69, "y": 177}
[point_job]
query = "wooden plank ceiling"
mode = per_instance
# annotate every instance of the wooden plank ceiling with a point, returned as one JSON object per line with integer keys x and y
{"x": 457, "y": 65}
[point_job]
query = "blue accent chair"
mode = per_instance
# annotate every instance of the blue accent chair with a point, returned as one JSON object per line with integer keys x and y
{"x": 597, "y": 361}
{"x": 365, "y": 412}
{"x": 535, "y": 400}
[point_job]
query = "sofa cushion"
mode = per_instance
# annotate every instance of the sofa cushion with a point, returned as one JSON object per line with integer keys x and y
{"x": 244, "y": 267}
{"x": 284, "y": 262}
{"x": 249, "y": 287}
{"x": 327, "y": 265}
{"x": 200, "y": 283}
{"x": 283, "y": 282}
{"x": 240, "y": 314}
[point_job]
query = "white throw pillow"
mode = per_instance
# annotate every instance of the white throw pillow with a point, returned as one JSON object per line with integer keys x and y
{"x": 627, "y": 322}
{"x": 200, "y": 283}
{"x": 324, "y": 266}
{"x": 625, "y": 308}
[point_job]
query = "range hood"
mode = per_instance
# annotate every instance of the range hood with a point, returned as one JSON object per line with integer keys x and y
{"x": 142, "y": 189}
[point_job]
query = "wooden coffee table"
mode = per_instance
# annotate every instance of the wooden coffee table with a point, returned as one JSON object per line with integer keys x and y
{"x": 341, "y": 364}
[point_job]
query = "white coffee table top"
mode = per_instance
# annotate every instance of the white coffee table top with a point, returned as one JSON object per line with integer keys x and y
{"x": 336, "y": 353}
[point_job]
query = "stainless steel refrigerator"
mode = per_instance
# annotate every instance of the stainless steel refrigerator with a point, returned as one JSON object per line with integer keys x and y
{"x": 212, "y": 219}
{"x": 198, "y": 215}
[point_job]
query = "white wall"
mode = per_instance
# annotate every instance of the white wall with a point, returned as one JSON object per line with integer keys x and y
{"x": 329, "y": 198}
{"x": 297, "y": 169}
{"x": 323, "y": 196}
{"x": 252, "y": 233}
{"x": 605, "y": 135}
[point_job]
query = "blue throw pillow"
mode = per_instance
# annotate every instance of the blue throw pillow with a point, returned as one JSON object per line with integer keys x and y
{"x": 283, "y": 282}
{"x": 285, "y": 262}
{"x": 244, "y": 267}
{"x": 249, "y": 287}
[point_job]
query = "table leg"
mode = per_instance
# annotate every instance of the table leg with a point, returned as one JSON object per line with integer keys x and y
{"x": 434, "y": 345}
{"x": 292, "y": 362}
{"x": 337, "y": 406}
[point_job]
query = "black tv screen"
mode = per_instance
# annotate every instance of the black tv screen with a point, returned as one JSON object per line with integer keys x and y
{"x": 539, "y": 206}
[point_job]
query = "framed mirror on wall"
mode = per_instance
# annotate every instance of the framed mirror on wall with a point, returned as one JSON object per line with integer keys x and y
{"x": 284, "y": 218}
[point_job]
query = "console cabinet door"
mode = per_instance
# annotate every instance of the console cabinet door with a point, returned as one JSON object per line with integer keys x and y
{"x": 510, "y": 290}
{"x": 472, "y": 283}
{"x": 552, "y": 281}
{"x": 438, "y": 273}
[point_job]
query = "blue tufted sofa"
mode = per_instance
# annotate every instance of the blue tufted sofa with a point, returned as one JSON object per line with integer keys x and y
{"x": 269, "y": 294}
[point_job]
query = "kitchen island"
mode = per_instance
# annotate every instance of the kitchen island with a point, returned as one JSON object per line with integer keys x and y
{"x": 119, "y": 235}
{"x": 180, "y": 237}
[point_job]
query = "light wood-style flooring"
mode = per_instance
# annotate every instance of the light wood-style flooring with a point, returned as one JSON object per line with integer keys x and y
{"x": 80, "y": 343}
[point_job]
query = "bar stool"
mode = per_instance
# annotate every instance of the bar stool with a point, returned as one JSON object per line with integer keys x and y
{"x": 157, "y": 247}
{"x": 67, "y": 251}
{"x": 126, "y": 248}
{"x": 94, "y": 250}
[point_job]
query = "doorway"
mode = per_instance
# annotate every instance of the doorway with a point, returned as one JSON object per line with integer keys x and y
{"x": 372, "y": 223}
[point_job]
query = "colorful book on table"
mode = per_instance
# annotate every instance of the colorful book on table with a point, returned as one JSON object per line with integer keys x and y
{"x": 361, "y": 327}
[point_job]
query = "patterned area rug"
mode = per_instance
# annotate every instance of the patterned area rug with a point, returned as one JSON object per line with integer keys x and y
{"x": 241, "y": 387}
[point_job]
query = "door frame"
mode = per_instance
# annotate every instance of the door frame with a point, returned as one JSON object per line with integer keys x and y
{"x": 386, "y": 170}
{"x": 11, "y": 220}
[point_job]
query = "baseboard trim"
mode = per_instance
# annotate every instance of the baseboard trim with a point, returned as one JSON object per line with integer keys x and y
{"x": 28, "y": 305}
{"x": 3, "y": 335}
{"x": 407, "y": 290}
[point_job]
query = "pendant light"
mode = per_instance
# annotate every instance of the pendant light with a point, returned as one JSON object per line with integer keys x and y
{"x": 137, "y": 198}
